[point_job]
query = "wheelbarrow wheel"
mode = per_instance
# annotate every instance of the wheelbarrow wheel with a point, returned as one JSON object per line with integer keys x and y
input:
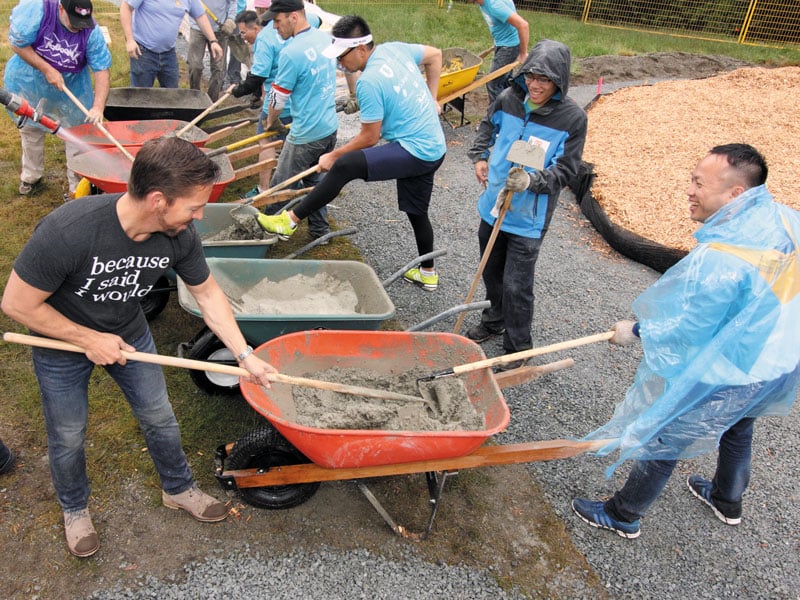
{"x": 208, "y": 347}
{"x": 263, "y": 448}
{"x": 155, "y": 302}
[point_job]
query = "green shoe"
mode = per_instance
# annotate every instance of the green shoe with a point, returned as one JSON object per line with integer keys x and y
{"x": 279, "y": 224}
{"x": 426, "y": 282}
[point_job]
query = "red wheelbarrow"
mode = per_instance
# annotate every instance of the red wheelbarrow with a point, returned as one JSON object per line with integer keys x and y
{"x": 108, "y": 169}
{"x": 132, "y": 134}
{"x": 282, "y": 465}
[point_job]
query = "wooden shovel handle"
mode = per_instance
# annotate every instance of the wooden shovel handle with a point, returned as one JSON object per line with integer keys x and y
{"x": 261, "y": 199}
{"x": 485, "y": 258}
{"x": 200, "y": 365}
{"x": 199, "y": 117}
{"x": 507, "y": 358}
{"x": 104, "y": 131}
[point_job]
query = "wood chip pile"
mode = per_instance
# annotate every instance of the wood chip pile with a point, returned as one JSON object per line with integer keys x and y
{"x": 645, "y": 141}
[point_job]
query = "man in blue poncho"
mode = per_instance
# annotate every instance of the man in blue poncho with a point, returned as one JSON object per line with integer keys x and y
{"x": 719, "y": 332}
{"x": 55, "y": 45}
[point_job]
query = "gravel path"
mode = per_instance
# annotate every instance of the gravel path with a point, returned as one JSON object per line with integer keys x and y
{"x": 581, "y": 288}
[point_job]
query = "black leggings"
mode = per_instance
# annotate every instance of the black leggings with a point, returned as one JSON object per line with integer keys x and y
{"x": 348, "y": 167}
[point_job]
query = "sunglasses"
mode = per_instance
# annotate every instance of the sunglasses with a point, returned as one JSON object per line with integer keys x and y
{"x": 345, "y": 53}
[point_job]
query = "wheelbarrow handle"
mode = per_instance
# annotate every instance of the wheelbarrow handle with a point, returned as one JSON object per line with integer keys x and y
{"x": 477, "y": 83}
{"x": 201, "y": 365}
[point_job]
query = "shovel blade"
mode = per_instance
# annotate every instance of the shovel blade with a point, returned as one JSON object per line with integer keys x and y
{"x": 526, "y": 154}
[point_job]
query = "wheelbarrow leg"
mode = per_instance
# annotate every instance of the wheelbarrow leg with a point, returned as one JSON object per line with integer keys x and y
{"x": 435, "y": 480}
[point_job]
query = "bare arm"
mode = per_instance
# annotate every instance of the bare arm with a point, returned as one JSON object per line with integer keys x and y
{"x": 51, "y": 74}
{"x": 432, "y": 63}
{"x": 218, "y": 316}
{"x": 102, "y": 83}
{"x": 521, "y": 25}
{"x": 126, "y": 20}
{"x": 27, "y": 305}
{"x": 205, "y": 26}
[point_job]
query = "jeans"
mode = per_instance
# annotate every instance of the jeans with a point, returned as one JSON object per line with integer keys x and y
{"x": 508, "y": 277}
{"x": 503, "y": 55}
{"x": 150, "y": 66}
{"x": 63, "y": 383}
{"x": 294, "y": 159}
{"x": 648, "y": 478}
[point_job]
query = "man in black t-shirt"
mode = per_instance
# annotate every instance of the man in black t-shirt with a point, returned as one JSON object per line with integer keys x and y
{"x": 80, "y": 279}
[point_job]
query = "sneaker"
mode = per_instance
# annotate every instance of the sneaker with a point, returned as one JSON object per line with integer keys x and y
{"x": 82, "y": 539}
{"x": 426, "y": 282}
{"x": 315, "y": 235}
{"x": 26, "y": 188}
{"x": 254, "y": 192}
{"x": 6, "y": 459}
{"x": 279, "y": 224}
{"x": 594, "y": 513}
{"x": 701, "y": 488}
{"x": 481, "y": 333}
{"x": 200, "y": 505}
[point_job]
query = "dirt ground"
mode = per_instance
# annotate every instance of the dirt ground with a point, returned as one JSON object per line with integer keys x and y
{"x": 139, "y": 537}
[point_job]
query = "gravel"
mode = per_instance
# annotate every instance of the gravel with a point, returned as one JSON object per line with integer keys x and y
{"x": 582, "y": 288}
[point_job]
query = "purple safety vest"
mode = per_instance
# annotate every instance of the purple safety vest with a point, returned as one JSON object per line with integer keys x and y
{"x": 57, "y": 45}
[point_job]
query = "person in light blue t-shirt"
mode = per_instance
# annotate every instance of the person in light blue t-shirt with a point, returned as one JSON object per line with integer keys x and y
{"x": 397, "y": 104}
{"x": 510, "y": 34}
{"x": 307, "y": 78}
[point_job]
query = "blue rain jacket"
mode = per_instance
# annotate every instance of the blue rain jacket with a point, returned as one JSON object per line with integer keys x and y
{"x": 30, "y": 83}
{"x": 719, "y": 332}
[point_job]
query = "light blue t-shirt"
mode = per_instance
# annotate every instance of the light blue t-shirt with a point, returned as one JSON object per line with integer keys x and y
{"x": 310, "y": 78}
{"x": 156, "y": 22}
{"x": 496, "y": 14}
{"x": 266, "y": 50}
{"x": 392, "y": 90}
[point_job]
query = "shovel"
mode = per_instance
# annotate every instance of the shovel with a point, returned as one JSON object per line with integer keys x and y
{"x": 102, "y": 129}
{"x": 241, "y": 143}
{"x": 263, "y": 198}
{"x": 202, "y": 115}
{"x": 520, "y": 153}
{"x": 200, "y": 365}
{"x": 507, "y": 358}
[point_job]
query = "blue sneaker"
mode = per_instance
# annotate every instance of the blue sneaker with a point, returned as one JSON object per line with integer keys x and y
{"x": 701, "y": 488}
{"x": 250, "y": 194}
{"x": 594, "y": 513}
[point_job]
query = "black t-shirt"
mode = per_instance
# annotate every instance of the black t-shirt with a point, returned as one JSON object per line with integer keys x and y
{"x": 97, "y": 275}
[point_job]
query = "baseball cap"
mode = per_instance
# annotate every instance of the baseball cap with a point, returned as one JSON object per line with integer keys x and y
{"x": 79, "y": 13}
{"x": 340, "y": 45}
{"x": 282, "y": 6}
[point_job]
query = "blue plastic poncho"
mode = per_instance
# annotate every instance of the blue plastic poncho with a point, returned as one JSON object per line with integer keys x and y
{"x": 27, "y": 81}
{"x": 720, "y": 334}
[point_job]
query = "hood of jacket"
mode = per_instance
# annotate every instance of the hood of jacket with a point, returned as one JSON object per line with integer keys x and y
{"x": 551, "y": 59}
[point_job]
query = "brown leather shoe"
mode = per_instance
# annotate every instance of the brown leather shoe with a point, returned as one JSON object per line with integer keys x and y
{"x": 82, "y": 539}
{"x": 200, "y": 505}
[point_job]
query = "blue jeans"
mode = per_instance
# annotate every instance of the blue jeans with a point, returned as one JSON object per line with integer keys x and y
{"x": 503, "y": 55}
{"x": 648, "y": 477}
{"x": 63, "y": 383}
{"x": 155, "y": 65}
{"x": 295, "y": 158}
{"x": 508, "y": 277}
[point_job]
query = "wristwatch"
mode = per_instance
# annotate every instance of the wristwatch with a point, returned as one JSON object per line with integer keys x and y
{"x": 244, "y": 354}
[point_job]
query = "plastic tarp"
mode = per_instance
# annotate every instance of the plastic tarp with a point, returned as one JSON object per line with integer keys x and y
{"x": 719, "y": 332}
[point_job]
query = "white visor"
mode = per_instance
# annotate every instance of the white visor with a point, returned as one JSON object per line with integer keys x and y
{"x": 340, "y": 45}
